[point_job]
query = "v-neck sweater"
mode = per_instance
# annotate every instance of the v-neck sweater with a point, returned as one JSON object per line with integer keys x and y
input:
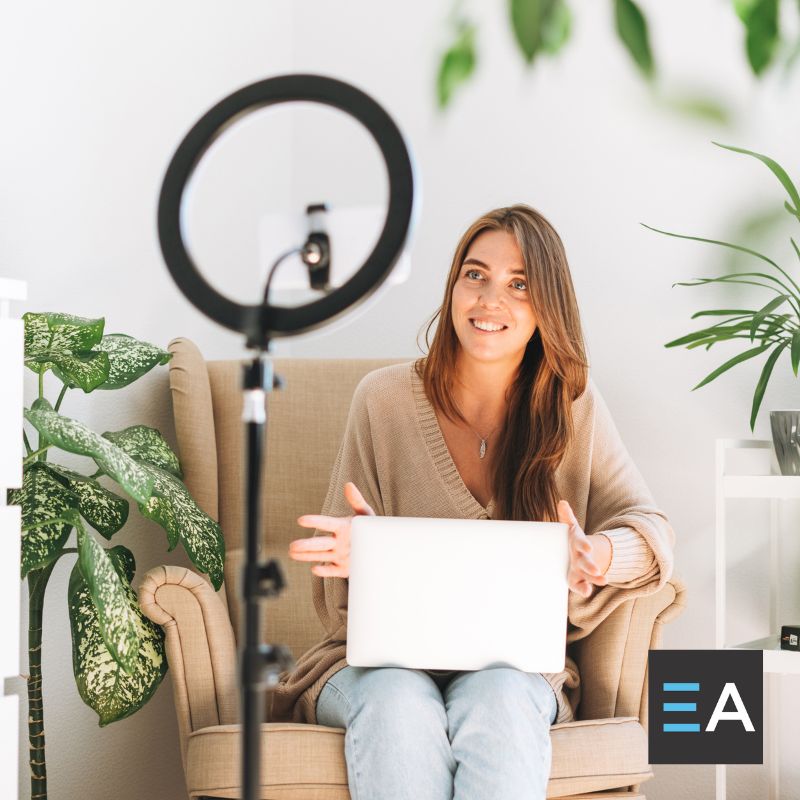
{"x": 394, "y": 451}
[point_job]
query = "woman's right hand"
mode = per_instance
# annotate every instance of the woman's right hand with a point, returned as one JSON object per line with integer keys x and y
{"x": 335, "y": 550}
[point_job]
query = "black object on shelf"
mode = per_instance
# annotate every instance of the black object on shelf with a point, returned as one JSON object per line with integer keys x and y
{"x": 790, "y": 637}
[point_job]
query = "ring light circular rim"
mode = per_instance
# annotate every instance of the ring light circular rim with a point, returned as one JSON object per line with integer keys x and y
{"x": 259, "y": 322}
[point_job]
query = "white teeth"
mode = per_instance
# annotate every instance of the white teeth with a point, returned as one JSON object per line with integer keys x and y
{"x": 487, "y": 326}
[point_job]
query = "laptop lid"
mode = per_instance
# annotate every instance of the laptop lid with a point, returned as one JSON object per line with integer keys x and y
{"x": 457, "y": 594}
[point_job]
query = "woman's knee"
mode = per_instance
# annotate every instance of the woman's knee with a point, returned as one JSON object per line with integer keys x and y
{"x": 391, "y": 694}
{"x": 502, "y": 688}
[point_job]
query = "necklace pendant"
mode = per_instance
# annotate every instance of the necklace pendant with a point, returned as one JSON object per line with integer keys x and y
{"x": 483, "y": 447}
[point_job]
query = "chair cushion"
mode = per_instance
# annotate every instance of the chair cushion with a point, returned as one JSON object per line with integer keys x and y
{"x": 307, "y": 761}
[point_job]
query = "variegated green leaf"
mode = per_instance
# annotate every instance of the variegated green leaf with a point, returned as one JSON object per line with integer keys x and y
{"x": 146, "y": 445}
{"x": 103, "y": 685}
{"x": 85, "y": 370}
{"x": 75, "y": 437}
{"x": 130, "y": 359}
{"x": 172, "y": 507}
{"x": 45, "y": 529}
{"x": 49, "y": 335}
{"x": 105, "y": 511}
{"x": 115, "y": 617}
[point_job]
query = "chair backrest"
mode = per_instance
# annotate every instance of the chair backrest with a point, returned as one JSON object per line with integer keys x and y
{"x": 305, "y": 425}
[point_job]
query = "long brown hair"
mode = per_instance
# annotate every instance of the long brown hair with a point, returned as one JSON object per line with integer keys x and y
{"x": 552, "y": 374}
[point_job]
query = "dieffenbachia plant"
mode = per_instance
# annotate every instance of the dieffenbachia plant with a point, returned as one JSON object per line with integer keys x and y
{"x": 117, "y": 653}
{"x": 774, "y": 331}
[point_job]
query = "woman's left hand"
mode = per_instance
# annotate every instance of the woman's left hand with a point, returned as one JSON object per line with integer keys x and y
{"x": 584, "y": 572}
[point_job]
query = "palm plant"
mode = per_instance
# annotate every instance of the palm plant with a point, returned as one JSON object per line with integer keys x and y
{"x": 117, "y": 654}
{"x": 774, "y": 331}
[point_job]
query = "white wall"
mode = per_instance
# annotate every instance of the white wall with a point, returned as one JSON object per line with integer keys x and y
{"x": 103, "y": 96}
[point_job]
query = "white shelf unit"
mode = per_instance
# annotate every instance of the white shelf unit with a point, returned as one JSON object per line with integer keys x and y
{"x": 11, "y": 369}
{"x": 775, "y": 488}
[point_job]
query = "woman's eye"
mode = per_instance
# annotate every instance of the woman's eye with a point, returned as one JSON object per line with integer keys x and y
{"x": 471, "y": 272}
{"x": 521, "y": 285}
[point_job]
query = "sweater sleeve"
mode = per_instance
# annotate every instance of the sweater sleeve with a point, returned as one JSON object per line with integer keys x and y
{"x": 355, "y": 461}
{"x": 621, "y": 506}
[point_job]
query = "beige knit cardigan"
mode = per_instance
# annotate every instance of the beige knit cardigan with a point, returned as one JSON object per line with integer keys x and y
{"x": 394, "y": 451}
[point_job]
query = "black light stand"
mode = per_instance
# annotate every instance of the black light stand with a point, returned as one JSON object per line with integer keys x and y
{"x": 261, "y": 664}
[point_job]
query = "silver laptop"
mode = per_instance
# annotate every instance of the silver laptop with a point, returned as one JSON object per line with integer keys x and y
{"x": 457, "y": 594}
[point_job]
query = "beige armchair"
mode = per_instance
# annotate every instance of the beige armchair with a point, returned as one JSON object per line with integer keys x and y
{"x": 603, "y": 754}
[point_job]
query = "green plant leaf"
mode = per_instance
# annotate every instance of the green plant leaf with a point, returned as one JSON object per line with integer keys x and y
{"x": 758, "y": 318}
{"x": 103, "y": 685}
{"x": 75, "y": 437}
{"x": 722, "y": 311}
{"x": 763, "y": 380}
{"x": 130, "y": 359}
{"x": 146, "y": 445}
{"x": 777, "y": 170}
{"x": 795, "y": 351}
{"x": 732, "y": 363}
{"x": 85, "y": 370}
{"x": 760, "y": 18}
{"x": 49, "y": 335}
{"x": 457, "y": 65}
{"x": 105, "y": 511}
{"x": 173, "y": 508}
{"x": 632, "y": 30}
{"x": 539, "y": 26}
{"x": 46, "y": 526}
{"x": 115, "y": 617}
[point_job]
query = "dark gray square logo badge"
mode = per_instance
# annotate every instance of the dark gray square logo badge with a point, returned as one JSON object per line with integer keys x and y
{"x": 705, "y": 707}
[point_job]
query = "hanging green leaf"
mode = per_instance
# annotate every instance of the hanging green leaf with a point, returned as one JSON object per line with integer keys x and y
{"x": 632, "y": 30}
{"x": 760, "y": 18}
{"x": 53, "y": 335}
{"x": 778, "y": 171}
{"x": 540, "y": 26}
{"x": 457, "y": 65}
{"x": 116, "y": 619}
{"x": 75, "y": 437}
{"x": 105, "y": 511}
{"x": 764, "y": 380}
{"x": 104, "y": 686}
{"x": 130, "y": 359}
{"x": 173, "y": 508}
{"x": 146, "y": 445}
{"x": 45, "y": 527}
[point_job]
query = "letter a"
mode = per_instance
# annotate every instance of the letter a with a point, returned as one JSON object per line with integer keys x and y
{"x": 741, "y": 714}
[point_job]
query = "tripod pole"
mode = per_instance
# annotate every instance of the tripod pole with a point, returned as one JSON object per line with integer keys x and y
{"x": 261, "y": 664}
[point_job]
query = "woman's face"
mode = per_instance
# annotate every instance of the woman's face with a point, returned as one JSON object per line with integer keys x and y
{"x": 492, "y": 290}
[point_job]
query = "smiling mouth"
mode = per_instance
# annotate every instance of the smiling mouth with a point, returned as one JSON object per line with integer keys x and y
{"x": 484, "y": 330}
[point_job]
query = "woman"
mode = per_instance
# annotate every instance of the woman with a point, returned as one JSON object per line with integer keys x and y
{"x": 500, "y": 420}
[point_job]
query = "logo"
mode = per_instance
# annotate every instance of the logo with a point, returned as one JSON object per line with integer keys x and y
{"x": 705, "y": 707}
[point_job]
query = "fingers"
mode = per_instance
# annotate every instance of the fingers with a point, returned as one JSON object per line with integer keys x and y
{"x": 315, "y": 544}
{"x": 356, "y": 500}
{"x": 321, "y": 521}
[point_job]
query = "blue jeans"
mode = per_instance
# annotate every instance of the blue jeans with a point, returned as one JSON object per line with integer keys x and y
{"x": 466, "y": 735}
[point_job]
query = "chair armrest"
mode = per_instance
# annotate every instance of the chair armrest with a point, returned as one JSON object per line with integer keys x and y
{"x": 612, "y": 660}
{"x": 200, "y": 646}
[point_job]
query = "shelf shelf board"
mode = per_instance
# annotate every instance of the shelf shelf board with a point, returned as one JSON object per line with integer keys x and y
{"x": 775, "y": 659}
{"x": 761, "y": 486}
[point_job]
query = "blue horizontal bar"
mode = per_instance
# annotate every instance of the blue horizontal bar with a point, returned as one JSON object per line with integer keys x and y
{"x": 681, "y": 687}
{"x": 678, "y": 727}
{"x": 680, "y": 706}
